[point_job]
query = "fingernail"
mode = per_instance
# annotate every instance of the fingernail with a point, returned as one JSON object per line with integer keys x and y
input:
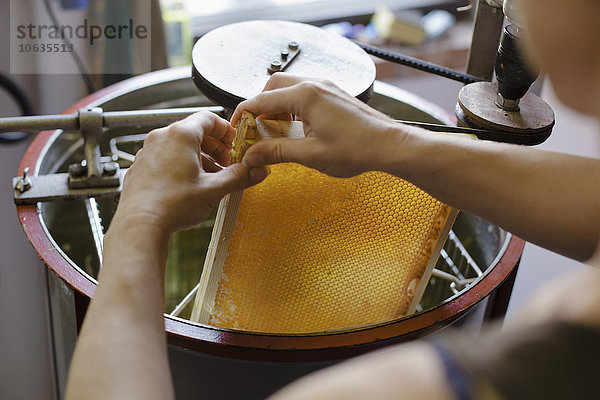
{"x": 254, "y": 160}
{"x": 257, "y": 175}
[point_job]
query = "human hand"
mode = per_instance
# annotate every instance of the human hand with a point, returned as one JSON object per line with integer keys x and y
{"x": 168, "y": 185}
{"x": 344, "y": 137}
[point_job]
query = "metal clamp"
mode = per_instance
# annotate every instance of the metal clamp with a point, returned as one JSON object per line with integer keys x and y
{"x": 91, "y": 126}
{"x": 55, "y": 187}
{"x": 92, "y": 172}
{"x": 95, "y": 176}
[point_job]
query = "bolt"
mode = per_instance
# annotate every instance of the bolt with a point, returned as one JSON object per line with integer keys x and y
{"x": 284, "y": 54}
{"x": 77, "y": 170}
{"x": 24, "y": 184}
{"x": 110, "y": 168}
{"x": 293, "y": 45}
{"x": 276, "y": 65}
{"x": 507, "y": 104}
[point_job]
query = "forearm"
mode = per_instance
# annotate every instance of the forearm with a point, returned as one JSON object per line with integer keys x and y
{"x": 121, "y": 351}
{"x": 409, "y": 371}
{"x": 547, "y": 198}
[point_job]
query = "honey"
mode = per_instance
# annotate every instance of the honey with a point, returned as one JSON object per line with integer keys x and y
{"x": 314, "y": 253}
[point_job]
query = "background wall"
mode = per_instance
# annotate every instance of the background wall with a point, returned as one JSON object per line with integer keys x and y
{"x": 577, "y": 134}
{"x": 25, "y": 361}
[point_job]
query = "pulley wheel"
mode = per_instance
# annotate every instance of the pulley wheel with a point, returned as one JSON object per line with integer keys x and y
{"x": 530, "y": 125}
{"x": 234, "y": 62}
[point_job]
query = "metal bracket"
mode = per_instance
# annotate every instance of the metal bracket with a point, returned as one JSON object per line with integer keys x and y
{"x": 95, "y": 176}
{"x": 55, "y": 187}
{"x": 79, "y": 175}
{"x": 286, "y": 57}
{"x": 92, "y": 173}
{"x": 486, "y": 38}
{"x": 91, "y": 126}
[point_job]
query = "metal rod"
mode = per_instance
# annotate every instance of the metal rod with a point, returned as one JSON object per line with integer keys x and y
{"x": 465, "y": 253}
{"x": 153, "y": 118}
{"x": 451, "y": 264}
{"x": 111, "y": 119}
{"x": 114, "y": 148}
{"x": 453, "y": 287}
{"x": 186, "y": 300}
{"x": 146, "y": 118}
{"x": 449, "y": 277}
{"x": 441, "y": 128}
{"x": 450, "y": 129}
{"x": 39, "y": 123}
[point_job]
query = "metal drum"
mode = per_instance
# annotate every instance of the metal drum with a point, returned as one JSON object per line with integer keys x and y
{"x": 472, "y": 280}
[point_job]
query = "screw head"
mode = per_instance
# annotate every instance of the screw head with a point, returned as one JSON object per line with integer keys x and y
{"x": 275, "y": 66}
{"x": 284, "y": 54}
{"x": 110, "y": 168}
{"x": 77, "y": 171}
{"x": 24, "y": 184}
{"x": 507, "y": 104}
{"x": 293, "y": 45}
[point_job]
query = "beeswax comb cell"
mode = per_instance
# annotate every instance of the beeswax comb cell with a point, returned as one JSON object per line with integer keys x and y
{"x": 309, "y": 253}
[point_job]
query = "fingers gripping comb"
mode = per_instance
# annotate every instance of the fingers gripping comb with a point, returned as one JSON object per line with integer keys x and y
{"x": 249, "y": 130}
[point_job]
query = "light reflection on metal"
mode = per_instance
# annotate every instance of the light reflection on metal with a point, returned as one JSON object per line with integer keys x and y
{"x": 465, "y": 7}
{"x": 96, "y": 225}
{"x": 184, "y": 302}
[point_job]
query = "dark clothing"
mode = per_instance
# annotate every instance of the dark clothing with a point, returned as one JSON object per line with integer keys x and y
{"x": 557, "y": 360}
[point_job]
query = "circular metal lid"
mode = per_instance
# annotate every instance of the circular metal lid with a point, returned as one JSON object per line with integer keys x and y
{"x": 234, "y": 62}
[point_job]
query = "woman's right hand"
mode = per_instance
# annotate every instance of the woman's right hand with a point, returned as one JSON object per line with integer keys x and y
{"x": 344, "y": 137}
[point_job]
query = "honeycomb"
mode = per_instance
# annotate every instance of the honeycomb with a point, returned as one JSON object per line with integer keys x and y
{"x": 313, "y": 253}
